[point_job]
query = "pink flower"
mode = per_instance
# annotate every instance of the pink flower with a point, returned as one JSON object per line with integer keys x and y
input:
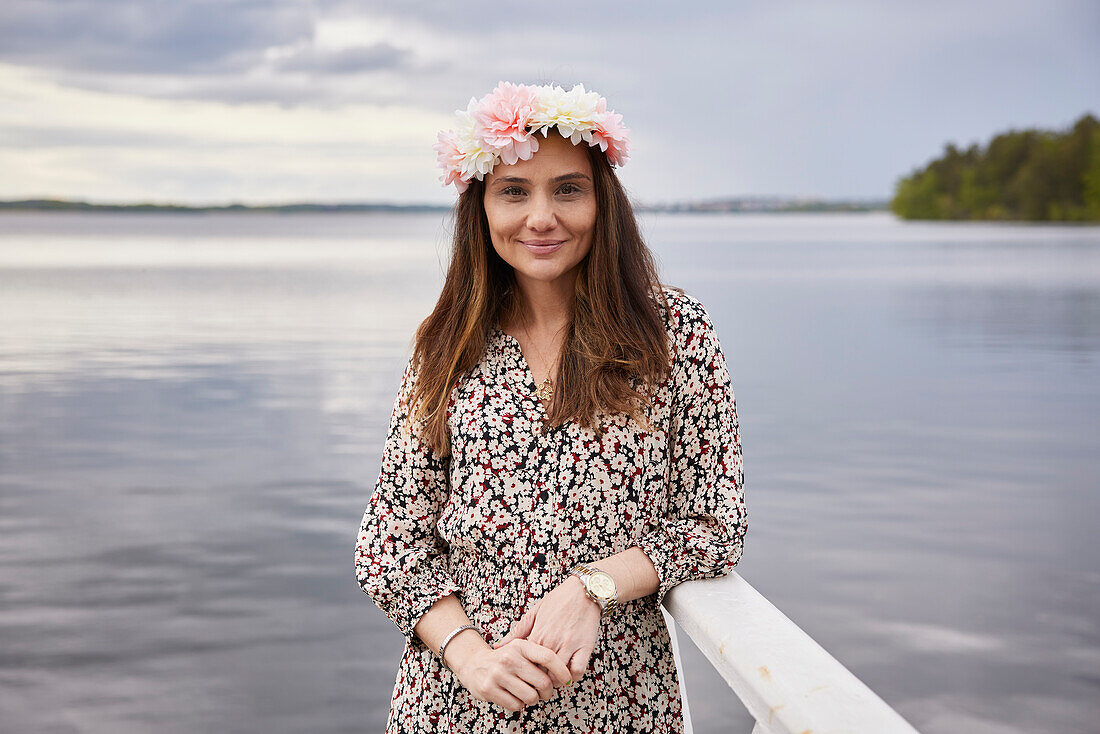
{"x": 450, "y": 159}
{"x": 612, "y": 137}
{"x": 460, "y": 185}
{"x": 502, "y": 115}
{"x": 519, "y": 150}
{"x": 500, "y": 121}
{"x": 447, "y": 152}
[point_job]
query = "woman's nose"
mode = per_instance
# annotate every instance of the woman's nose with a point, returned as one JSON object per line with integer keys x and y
{"x": 541, "y": 217}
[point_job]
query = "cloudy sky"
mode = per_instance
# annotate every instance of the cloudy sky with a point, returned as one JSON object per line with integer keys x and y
{"x": 268, "y": 101}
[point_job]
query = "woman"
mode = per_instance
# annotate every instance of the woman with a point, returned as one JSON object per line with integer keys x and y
{"x": 563, "y": 450}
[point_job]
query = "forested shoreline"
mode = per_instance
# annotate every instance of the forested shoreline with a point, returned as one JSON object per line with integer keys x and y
{"x": 1030, "y": 174}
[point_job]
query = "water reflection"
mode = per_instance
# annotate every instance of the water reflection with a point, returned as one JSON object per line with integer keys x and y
{"x": 192, "y": 408}
{"x": 1007, "y": 317}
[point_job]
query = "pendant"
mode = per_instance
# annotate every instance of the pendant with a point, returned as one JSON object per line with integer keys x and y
{"x": 545, "y": 391}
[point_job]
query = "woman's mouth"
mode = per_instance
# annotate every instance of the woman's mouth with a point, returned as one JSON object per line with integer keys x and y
{"x": 543, "y": 247}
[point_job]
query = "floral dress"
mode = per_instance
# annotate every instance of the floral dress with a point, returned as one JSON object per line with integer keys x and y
{"x": 503, "y": 519}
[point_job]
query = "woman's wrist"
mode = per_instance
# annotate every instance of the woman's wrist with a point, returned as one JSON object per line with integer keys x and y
{"x": 575, "y": 582}
{"x": 463, "y": 648}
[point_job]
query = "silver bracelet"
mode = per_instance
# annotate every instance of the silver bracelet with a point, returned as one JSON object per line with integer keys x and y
{"x": 451, "y": 637}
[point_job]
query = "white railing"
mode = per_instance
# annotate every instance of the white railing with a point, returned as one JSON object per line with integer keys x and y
{"x": 788, "y": 682}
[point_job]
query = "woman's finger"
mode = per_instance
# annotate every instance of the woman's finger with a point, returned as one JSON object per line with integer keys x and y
{"x": 501, "y": 697}
{"x": 536, "y": 676}
{"x": 579, "y": 662}
{"x": 523, "y": 626}
{"x": 522, "y": 690}
{"x": 550, "y": 661}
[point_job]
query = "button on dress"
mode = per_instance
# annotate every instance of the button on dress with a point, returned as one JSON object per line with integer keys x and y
{"x": 502, "y": 520}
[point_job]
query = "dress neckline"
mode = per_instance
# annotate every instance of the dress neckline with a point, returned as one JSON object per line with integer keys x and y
{"x": 522, "y": 366}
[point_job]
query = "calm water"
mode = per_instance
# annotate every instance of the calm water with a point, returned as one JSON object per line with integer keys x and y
{"x": 192, "y": 410}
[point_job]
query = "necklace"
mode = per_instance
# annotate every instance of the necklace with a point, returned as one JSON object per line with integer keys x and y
{"x": 545, "y": 390}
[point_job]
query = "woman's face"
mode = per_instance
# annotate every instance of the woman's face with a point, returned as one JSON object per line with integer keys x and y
{"x": 542, "y": 211}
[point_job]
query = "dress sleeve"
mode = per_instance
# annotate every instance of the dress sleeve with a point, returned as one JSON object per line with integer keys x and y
{"x": 401, "y": 561}
{"x": 701, "y": 534}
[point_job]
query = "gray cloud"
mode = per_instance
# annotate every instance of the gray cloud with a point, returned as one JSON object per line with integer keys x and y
{"x": 348, "y": 60}
{"x": 151, "y": 37}
{"x": 591, "y": 24}
{"x": 285, "y": 90}
{"x": 55, "y": 136}
{"x": 201, "y": 50}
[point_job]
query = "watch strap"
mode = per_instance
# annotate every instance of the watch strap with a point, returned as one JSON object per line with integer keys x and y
{"x": 607, "y": 606}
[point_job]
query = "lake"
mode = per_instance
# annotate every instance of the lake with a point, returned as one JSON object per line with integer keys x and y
{"x": 192, "y": 409}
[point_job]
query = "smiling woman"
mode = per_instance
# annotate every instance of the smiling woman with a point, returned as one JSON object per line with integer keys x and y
{"x": 564, "y": 448}
{"x": 541, "y": 214}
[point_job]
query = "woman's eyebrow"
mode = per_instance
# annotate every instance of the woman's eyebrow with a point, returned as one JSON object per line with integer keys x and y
{"x": 567, "y": 176}
{"x": 556, "y": 179}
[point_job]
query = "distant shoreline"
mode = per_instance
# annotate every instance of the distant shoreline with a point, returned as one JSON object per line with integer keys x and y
{"x": 715, "y": 206}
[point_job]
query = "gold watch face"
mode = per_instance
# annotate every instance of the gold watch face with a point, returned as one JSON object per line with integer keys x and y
{"x": 602, "y": 585}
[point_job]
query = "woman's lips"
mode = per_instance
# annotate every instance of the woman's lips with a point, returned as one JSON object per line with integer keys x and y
{"x": 543, "y": 247}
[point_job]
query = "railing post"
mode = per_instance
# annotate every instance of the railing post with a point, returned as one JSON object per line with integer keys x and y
{"x": 671, "y": 624}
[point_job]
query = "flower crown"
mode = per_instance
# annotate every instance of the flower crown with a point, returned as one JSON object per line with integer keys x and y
{"x": 501, "y": 126}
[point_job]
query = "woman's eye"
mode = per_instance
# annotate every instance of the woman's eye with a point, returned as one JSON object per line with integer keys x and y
{"x": 512, "y": 191}
{"x": 569, "y": 188}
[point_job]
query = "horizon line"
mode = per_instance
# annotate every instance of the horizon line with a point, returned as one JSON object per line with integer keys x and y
{"x": 705, "y": 204}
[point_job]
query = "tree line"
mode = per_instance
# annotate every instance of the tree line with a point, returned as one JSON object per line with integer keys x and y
{"x": 1021, "y": 175}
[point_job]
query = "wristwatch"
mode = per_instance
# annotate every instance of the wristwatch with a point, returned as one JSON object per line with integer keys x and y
{"x": 599, "y": 586}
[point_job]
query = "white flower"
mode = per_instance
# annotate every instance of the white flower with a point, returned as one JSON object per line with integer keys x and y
{"x": 476, "y": 160}
{"x": 575, "y": 113}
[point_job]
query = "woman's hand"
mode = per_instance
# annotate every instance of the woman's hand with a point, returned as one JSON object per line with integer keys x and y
{"x": 513, "y": 676}
{"x": 565, "y": 621}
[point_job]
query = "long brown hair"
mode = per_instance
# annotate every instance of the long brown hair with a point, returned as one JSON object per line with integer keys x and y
{"x": 616, "y": 334}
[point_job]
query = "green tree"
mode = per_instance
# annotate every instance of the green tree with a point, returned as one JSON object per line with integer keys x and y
{"x": 1090, "y": 178}
{"x": 1025, "y": 175}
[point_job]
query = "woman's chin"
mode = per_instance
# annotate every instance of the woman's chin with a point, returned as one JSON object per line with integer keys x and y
{"x": 543, "y": 272}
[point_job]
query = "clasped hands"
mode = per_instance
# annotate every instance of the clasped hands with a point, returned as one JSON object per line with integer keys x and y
{"x": 548, "y": 647}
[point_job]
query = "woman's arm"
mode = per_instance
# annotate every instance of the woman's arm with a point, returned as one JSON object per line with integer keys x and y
{"x": 445, "y": 616}
{"x": 568, "y": 622}
{"x": 632, "y": 570}
{"x": 701, "y": 533}
{"x": 401, "y": 563}
{"x": 511, "y": 678}
{"x": 400, "y": 560}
